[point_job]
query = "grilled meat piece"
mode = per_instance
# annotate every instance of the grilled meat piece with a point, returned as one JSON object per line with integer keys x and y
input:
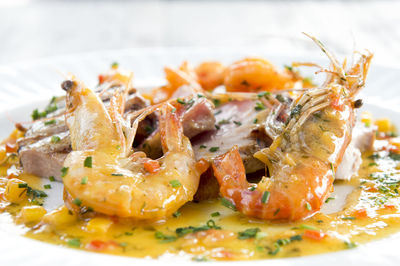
{"x": 235, "y": 125}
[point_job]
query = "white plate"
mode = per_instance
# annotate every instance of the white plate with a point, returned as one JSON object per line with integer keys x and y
{"x": 26, "y": 86}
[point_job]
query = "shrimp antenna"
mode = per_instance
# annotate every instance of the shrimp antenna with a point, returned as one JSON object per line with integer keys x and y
{"x": 339, "y": 69}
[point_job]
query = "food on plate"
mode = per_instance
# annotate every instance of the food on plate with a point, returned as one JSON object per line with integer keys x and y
{"x": 235, "y": 161}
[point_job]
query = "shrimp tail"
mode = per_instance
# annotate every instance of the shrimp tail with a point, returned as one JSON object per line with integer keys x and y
{"x": 229, "y": 170}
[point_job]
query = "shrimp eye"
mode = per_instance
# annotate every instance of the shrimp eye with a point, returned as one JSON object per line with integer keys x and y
{"x": 67, "y": 85}
{"x": 358, "y": 103}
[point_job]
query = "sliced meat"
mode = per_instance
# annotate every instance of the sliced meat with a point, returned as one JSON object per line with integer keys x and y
{"x": 46, "y": 156}
{"x": 362, "y": 140}
{"x": 42, "y": 154}
{"x": 234, "y": 126}
{"x": 197, "y": 118}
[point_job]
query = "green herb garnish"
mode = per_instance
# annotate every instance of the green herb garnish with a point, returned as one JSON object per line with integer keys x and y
{"x": 225, "y": 202}
{"x": 64, "y": 171}
{"x": 84, "y": 180}
{"x": 214, "y": 149}
{"x": 248, "y": 233}
{"x": 265, "y": 197}
{"x": 55, "y": 139}
{"x": 175, "y": 183}
{"x": 88, "y": 162}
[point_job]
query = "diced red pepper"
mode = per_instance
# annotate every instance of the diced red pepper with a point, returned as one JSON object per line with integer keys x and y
{"x": 314, "y": 234}
{"x": 11, "y": 147}
{"x": 99, "y": 245}
{"x": 390, "y": 207}
{"x": 101, "y": 79}
{"x": 152, "y": 166}
{"x": 360, "y": 213}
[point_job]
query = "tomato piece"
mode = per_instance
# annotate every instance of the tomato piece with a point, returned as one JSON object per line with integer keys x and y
{"x": 11, "y": 147}
{"x": 314, "y": 234}
{"x": 360, "y": 213}
{"x": 101, "y": 79}
{"x": 390, "y": 207}
{"x": 152, "y": 166}
{"x": 99, "y": 245}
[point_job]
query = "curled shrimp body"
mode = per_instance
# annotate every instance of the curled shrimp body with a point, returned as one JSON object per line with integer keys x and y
{"x": 255, "y": 74}
{"x": 103, "y": 173}
{"x": 304, "y": 154}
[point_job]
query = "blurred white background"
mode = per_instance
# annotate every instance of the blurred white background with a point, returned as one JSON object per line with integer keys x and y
{"x": 31, "y": 29}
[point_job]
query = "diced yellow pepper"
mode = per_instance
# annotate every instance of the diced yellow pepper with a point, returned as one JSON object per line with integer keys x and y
{"x": 384, "y": 125}
{"x": 98, "y": 225}
{"x": 60, "y": 217}
{"x": 3, "y": 153}
{"x": 31, "y": 214}
{"x": 366, "y": 118}
{"x": 16, "y": 191}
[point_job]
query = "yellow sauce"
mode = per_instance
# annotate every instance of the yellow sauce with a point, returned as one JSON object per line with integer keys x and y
{"x": 371, "y": 212}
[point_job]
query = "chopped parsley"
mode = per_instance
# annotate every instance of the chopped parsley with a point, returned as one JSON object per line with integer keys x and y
{"x": 223, "y": 122}
{"x": 175, "y": 183}
{"x": 215, "y": 214}
{"x": 203, "y": 146}
{"x": 181, "y": 101}
{"x": 116, "y": 174}
{"x": 213, "y": 149}
{"x": 265, "y": 94}
{"x": 350, "y": 244}
{"x": 77, "y": 202}
{"x": 176, "y": 214}
{"x": 280, "y": 98}
{"x": 349, "y": 218}
{"x": 84, "y": 180}
{"x": 265, "y": 197}
{"x": 283, "y": 242}
{"x": 55, "y": 139}
{"x": 238, "y": 123}
{"x": 225, "y": 202}
{"x": 88, "y": 162}
{"x": 50, "y": 122}
{"x": 74, "y": 243}
{"x": 52, "y": 179}
{"x": 216, "y": 102}
{"x": 47, "y": 186}
{"x": 394, "y": 156}
{"x": 51, "y": 107}
{"x": 329, "y": 199}
{"x": 248, "y": 233}
{"x": 308, "y": 206}
{"x": 191, "y": 229}
{"x": 259, "y": 106}
{"x": 182, "y": 231}
{"x": 64, "y": 171}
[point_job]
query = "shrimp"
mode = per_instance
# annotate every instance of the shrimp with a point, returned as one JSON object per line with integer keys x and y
{"x": 210, "y": 74}
{"x": 103, "y": 173}
{"x": 256, "y": 74}
{"x": 305, "y": 151}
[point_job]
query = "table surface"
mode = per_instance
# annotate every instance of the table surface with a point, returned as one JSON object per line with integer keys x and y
{"x": 32, "y": 29}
